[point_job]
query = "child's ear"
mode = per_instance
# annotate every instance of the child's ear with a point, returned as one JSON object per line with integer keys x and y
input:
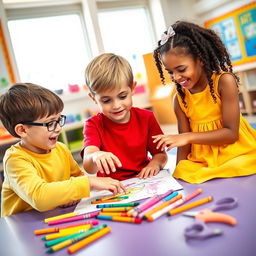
{"x": 200, "y": 62}
{"x": 92, "y": 97}
{"x": 20, "y": 130}
{"x": 134, "y": 84}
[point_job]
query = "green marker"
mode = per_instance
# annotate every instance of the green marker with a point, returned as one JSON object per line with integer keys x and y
{"x": 117, "y": 205}
{"x": 77, "y": 238}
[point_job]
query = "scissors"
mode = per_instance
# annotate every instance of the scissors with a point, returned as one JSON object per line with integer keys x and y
{"x": 199, "y": 229}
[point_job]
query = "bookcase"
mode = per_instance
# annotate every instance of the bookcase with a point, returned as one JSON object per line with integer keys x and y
{"x": 247, "y": 96}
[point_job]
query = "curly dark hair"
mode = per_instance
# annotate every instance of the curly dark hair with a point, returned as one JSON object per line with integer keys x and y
{"x": 201, "y": 43}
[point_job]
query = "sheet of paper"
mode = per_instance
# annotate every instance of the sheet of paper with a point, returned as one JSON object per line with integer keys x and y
{"x": 137, "y": 189}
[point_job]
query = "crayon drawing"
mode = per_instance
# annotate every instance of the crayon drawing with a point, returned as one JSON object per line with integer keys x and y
{"x": 137, "y": 189}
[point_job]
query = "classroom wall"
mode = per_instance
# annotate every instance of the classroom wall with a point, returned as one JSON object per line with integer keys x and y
{"x": 172, "y": 10}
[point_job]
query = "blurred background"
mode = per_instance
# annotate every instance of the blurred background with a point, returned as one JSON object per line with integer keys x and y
{"x": 51, "y": 42}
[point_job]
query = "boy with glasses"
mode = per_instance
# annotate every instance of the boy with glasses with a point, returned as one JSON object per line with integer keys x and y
{"x": 40, "y": 172}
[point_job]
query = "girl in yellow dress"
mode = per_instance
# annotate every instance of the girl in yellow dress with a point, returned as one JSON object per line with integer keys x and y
{"x": 214, "y": 140}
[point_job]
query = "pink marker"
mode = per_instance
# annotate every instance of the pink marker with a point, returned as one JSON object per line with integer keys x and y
{"x": 147, "y": 204}
{"x": 80, "y": 217}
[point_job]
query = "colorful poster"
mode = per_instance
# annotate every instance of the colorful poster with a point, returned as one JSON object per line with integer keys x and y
{"x": 226, "y": 29}
{"x": 6, "y": 71}
{"x": 247, "y": 22}
{"x": 237, "y": 30}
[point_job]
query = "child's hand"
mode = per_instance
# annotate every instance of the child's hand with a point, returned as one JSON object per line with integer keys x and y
{"x": 70, "y": 204}
{"x": 170, "y": 141}
{"x": 106, "y": 161}
{"x": 149, "y": 171}
{"x": 106, "y": 183}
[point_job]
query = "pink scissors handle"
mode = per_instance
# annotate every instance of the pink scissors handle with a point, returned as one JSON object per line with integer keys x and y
{"x": 208, "y": 215}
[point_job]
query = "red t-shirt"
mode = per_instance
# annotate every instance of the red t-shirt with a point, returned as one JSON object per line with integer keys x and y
{"x": 130, "y": 141}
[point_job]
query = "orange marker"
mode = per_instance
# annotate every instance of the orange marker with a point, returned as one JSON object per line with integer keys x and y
{"x": 106, "y": 201}
{"x": 158, "y": 208}
{"x": 56, "y": 229}
{"x": 88, "y": 240}
{"x": 122, "y": 219}
{"x": 189, "y": 206}
{"x": 117, "y": 209}
{"x": 120, "y": 214}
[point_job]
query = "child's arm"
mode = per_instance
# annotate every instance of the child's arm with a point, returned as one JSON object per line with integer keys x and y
{"x": 183, "y": 127}
{"x": 157, "y": 162}
{"x": 24, "y": 180}
{"x": 95, "y": 160}
{"x": 228, "y": 134}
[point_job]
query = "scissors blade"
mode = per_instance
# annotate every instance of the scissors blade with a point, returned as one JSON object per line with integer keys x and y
{"x": 190, "y": 214}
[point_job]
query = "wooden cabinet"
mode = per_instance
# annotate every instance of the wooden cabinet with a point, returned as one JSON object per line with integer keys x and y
{"x": 247, "y": 87}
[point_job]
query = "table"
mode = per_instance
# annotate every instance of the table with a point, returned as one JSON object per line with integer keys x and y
{"x": 162, "y": 237}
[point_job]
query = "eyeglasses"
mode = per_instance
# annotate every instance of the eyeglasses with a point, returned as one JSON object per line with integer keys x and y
{"x": 51, "y": 126}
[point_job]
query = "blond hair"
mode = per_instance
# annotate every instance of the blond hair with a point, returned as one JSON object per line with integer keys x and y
{"x": 106, "y": 72}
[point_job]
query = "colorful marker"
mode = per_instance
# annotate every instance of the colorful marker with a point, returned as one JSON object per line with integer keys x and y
{"x": 75, "y": 239}
{"x": 148, "y": 203}
{"x": 154, "y": 206}
{"x": 117, "y": 205}
{"x": 190, "y": 206}
{"x": 179, "y": 202}
{"x": 88, "y": 240}
{"x": 120, "y": 214}
{"x": 80, "y": 217}
{"x": 56, "y": 229}
{"x": 116, "y": 209}
{"x": 106, "y": 201}
{"x": 163, "y": 205}
{"x": 110, "y": 198}
{"x": 66, "y": 233}
{"x": 121, "y": 219}
{"x": 62, "y": 216}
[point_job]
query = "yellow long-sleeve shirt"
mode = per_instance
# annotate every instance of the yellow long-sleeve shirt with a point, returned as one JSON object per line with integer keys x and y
{"x": 40, "y": 181}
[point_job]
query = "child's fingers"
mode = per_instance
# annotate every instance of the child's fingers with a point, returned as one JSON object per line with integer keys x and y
{"x": 99, "y": 166}
{"x": 111, "y": 164}
{"x": 105, "y": 166}
{"x": 117, "y": 161}
{"x": 156, "y": 138}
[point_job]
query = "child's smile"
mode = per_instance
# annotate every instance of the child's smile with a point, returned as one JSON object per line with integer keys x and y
{"x": 185, "y": 70}
{"x": 115, "y": 104}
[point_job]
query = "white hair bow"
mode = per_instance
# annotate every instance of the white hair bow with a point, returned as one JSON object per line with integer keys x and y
{"x": 165, "y": 37}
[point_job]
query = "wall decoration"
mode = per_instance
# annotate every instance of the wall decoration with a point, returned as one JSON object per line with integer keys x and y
{"x": 7, "y": 76}
{"x": 237, "y": 30}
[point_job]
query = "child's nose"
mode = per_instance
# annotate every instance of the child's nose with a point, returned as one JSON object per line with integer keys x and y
{"x": 116, "y": 104}
{"x": 176, "y": 76}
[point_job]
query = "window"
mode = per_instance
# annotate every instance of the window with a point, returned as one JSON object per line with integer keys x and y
{"x": 127, "y": 32}
{"x": 50, "y": 50}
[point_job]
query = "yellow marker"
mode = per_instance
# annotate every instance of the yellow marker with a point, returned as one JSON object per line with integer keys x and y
{"x": 65, "y": 230}
{"x": 62, "y": 234}
{"x": 60, "y": 217}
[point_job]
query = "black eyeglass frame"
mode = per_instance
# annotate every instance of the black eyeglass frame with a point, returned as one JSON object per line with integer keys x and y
{"x": 61, "y": 121}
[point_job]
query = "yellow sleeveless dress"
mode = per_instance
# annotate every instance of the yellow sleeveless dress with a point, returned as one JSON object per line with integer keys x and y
{"x": 206, "y": 162}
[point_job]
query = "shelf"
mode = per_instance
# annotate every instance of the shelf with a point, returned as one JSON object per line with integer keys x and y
{"x": 74, "y": 96}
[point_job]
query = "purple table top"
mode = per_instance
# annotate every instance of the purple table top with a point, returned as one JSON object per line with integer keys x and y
{"x": 162, "y": 237}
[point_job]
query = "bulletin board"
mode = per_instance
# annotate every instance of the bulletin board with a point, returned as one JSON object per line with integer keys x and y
{"x": 6, "y": 70}
{"x": 237, "y": 30}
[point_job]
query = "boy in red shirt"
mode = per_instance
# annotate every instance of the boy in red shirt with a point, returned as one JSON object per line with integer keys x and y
{"x": 118, "y": 139}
